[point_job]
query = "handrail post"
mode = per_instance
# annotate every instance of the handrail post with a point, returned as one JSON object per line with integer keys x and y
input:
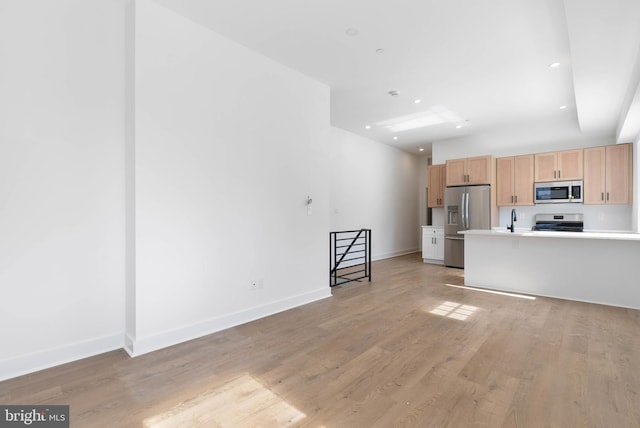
{"x": 369, "y": 255}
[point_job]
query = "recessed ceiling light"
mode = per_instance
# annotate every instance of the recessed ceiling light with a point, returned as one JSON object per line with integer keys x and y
{"x": 352, "y": 32}
{"x": 379, "y": 51}
{"x": 395, "y": 138}
{"x": 417, "y": 101}
{"x": 368, "y": 127}
{"x": 421, "y": 149}
{"x": 458, "y": 126}
{"x": 554, "y": 65}
{"x": 563, "y": 107}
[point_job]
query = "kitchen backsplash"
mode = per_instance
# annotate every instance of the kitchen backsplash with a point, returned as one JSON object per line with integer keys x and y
{"x": 596, "y": 217}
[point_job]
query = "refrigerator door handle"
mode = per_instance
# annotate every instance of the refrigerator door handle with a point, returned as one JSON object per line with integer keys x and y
{"x": 465, "y": 208}
{"x": 464, "y": 221}
{"x": 467, "y": 214}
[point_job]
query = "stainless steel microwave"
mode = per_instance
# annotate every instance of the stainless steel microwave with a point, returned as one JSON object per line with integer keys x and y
{"x": 558, "y": 192}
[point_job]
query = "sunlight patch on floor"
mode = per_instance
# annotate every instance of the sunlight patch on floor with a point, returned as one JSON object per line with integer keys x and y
{"x": 454, "y": 310}
{"x": 502, "y": 293}
{"x": 240, "y": 402}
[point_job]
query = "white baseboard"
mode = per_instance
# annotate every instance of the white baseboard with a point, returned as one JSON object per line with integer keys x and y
{"x": 394, "y": 254}
{"x": 41, "y": 360}
{"x": 139, "y": 346}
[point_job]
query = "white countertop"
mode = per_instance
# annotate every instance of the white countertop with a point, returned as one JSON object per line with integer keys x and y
{"x": 620, "y": 236}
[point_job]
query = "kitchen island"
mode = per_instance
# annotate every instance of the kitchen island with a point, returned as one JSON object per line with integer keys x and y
{"x": 592, "y": 267}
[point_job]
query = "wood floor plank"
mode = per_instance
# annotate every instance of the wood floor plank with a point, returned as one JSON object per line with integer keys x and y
{"x": 410, "y": 349}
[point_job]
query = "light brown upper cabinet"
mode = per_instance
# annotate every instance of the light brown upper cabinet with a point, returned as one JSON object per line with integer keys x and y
{"x": 558, "y": 166}
{"x": 477, "y": 170}
{"x": 436, "y": 186}
{"x": 607, "y": 174}
{"x": 515, "y": 180}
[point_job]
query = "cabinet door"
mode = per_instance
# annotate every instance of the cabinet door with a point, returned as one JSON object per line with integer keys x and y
{"x": 504, "y": 186}
{"x": 545, "y": 167}
{"x": 479, "y": 170}
{"x": 456, "y": 172}
{"x": 594, "y": 176}
{"x": 570, "y": 165}
{"x": 618, "y": 174}
{"x": 439, "y": 245}
{"x": 436, "y": 193}
{"x": 523, "y": 180}
{"x": 443, "y": 180}
{"x": 427, "y": 244}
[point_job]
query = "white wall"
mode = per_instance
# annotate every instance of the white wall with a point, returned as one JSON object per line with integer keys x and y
{"x": 61, "y": 181}
{"x": 146, "y": 201}
{"x": 375, "y": 186}
{"x": 525, "y": 139}
{"x": 229, "y": 144}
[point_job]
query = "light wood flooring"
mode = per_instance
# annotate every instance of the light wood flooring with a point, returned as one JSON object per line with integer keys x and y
{"x": 404, "y": 350}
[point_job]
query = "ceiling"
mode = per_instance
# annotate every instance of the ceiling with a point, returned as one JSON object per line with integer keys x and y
{"x": 474, "y": 65}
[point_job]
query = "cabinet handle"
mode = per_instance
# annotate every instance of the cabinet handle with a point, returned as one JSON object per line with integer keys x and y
{"x": 602, "y": 196}
{"x": 516, "y": 199}
{"x": 607, "y": 196}
{"x": 554, "y": 174}
{"x": 511, "y": 198}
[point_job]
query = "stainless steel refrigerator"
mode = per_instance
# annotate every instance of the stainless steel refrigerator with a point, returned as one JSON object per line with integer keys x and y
{"x": 465, "y": 208}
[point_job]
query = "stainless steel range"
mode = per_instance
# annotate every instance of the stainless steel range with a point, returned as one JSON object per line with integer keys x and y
{"x": 559, "y": 222}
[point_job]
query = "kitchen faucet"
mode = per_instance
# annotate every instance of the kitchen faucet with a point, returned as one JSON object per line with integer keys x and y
{"x": 513, "y": 219}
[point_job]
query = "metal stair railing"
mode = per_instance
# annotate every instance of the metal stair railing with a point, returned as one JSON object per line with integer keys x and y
{"x": 350, "y": 256}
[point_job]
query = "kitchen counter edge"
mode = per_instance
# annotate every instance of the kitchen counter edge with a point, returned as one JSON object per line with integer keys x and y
{"x": 619, "y": 236}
